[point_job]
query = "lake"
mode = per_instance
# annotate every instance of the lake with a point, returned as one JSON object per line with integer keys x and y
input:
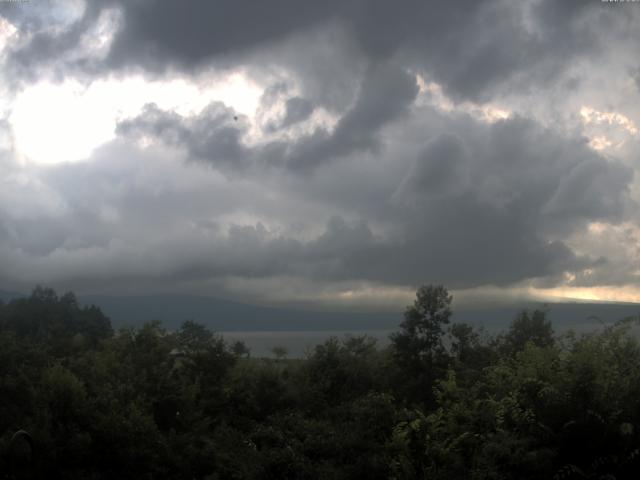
{"x": 296, "y": 342}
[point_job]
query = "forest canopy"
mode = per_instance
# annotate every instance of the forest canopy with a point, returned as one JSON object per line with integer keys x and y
{"x": 442, "y": 401}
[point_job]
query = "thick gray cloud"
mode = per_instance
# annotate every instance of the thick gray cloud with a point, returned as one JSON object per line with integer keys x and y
{"x": 385, "y": 95}
{"x": 491, "y": 204}
{"x": 212, "y": 136}
{"x": 478, "y": 204}
{"x": 157, "y": 34}
{"x": 473, "y": 48}
{"x": 399, "y": 190}
{"x": 215, "y": 135}
{"x": 297, "y": 110}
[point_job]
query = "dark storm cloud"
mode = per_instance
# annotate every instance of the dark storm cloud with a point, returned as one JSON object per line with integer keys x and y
{"x": 523, "y": 170}
{"x": 471, "y": 47}
{"x": 441, "y": 168}
{"x": 493, "y": 203}
{"x": 211, "y": 136}
{"x": 485, "y": 205}
{"x": 474, "y": 48}
{"x": 214, "y": 136}
{"x": 157, "y": 36}
{"x": 385, "y": 95}
{"x": 395, "y": 193}
{"x": 297, "y": 110}
{"x": 158, "y": 33}
{"x": 480, "y": 204}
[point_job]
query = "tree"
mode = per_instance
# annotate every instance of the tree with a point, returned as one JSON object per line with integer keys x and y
{"x": 418, "y": 347}
{"x": 463, "y": 340}
{"x": 194, "y": 337}
{"x": 240, "y": 349}
{"x": 534, "y": 328}
{"x": 422, "y": 328}
{"x": 280, "y": 352}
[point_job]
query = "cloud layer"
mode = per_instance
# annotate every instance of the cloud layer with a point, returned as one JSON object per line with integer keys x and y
{"x": 393, "y": 144}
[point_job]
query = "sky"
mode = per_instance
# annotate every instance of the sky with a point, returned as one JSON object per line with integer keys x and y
{"x": 335, "y": 153}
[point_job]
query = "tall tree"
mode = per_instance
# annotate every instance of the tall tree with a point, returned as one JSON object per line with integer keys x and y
{"x": 418, "y": 347}
{"x": 528, "y": 327}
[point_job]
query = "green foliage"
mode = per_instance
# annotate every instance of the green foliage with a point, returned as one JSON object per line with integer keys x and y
{"x": 338, "y": 371}
{"x": 528, "y": 328}
{"x": 240, "y": 349}
{"x": 438, "y": 403}
{"x": 421, "y": 331}
{"x": 280, "y": 352}
{"x": 418, "y": 347}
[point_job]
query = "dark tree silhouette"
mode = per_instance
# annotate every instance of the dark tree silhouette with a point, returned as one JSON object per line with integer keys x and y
{"x": 418, "y": 347}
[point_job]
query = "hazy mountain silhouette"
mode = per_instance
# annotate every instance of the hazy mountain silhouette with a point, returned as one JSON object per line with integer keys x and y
{"x": 225, "y": 315}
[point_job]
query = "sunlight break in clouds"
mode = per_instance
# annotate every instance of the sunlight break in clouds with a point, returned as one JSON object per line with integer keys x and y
{"x": 619, "y": 293}
{"x": 54, "y": 123}
{"x": 591, "y": 115}
{"x": 7, "y": 31}
{"x": 431, "y": 93}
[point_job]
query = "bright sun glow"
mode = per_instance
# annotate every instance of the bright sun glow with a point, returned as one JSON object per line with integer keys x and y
{"x": 7, "y": 31}
{"x": 65, "y": 122}
{"x": 591, "y": 115}
{"x": 627, "y": 293}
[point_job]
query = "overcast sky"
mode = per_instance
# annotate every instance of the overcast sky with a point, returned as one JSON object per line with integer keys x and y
{"x": 337, "y": 152}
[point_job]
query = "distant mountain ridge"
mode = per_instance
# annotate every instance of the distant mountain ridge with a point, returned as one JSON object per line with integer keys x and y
{"x": 226, "y": 315}
{"x": 7, "y": 296}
